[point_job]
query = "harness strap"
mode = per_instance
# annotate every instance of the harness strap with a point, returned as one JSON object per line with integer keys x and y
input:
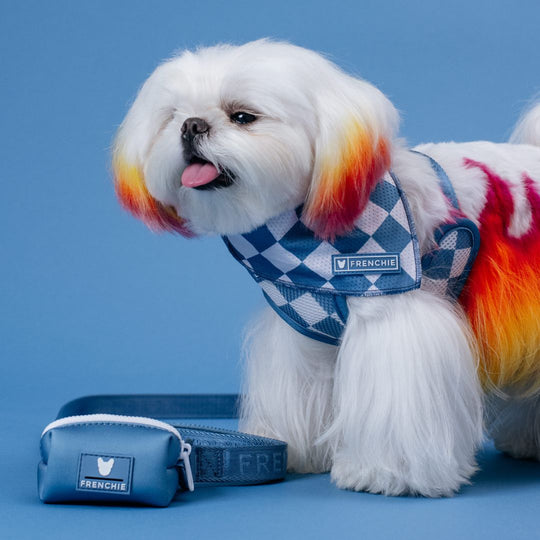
{"x": 449, "y": 264}
{"x": 444, "y": 181}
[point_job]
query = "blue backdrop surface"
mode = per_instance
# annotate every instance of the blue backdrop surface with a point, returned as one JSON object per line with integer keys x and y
{"x": 92, "y": 302}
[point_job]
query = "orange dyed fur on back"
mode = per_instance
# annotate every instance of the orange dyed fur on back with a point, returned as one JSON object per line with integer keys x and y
{"x": 502, "y": 296}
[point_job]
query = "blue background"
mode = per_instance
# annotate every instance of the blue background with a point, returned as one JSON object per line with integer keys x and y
{"x": 92, "y": 302}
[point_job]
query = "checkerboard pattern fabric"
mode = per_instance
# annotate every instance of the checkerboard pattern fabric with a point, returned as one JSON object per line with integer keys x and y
{"x": 316, "y": 314}
{"x": 446, "y": 269}
{"x": 296, "y": 273}
{"x": 295, "y": 269}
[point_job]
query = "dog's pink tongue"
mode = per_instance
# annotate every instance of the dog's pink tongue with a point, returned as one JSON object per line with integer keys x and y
{"x": 199, "y": 174}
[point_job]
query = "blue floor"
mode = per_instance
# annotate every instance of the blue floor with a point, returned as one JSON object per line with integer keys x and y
{"x": 502, "y": 502}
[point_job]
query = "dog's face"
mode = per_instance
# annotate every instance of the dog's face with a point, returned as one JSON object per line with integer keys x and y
{"x": 221, "y": 140}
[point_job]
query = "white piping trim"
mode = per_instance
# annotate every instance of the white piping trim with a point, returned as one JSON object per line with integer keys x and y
{"x": 114, "y": 419}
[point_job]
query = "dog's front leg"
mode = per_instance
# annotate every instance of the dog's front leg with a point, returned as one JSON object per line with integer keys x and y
{"x": 408, "y": 407}
{"x": 288, "y": 390}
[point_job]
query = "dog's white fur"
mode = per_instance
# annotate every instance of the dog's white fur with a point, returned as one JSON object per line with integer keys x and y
{"x": 397, "y": 408}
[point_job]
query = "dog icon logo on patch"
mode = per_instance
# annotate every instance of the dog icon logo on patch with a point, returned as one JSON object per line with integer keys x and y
{"x": 105, "y": 467}
{"x": 341, "y": 263}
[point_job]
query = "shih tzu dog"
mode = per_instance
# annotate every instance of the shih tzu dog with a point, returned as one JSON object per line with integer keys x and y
{"x": 394, "y": 331}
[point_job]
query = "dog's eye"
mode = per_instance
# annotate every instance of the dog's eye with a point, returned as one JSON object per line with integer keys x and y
{"x": 242, "y": 117}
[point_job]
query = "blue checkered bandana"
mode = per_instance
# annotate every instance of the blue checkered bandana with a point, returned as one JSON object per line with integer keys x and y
{"x": 306, "y": 280}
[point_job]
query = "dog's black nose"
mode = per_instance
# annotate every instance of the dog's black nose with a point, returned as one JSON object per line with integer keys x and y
{"x": 194, "y": 126}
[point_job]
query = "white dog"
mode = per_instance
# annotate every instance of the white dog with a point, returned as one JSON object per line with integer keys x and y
{"x": 227, "y": 139}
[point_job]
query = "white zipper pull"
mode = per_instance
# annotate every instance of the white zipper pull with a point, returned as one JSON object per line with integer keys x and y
{"x": 185, "y": 451}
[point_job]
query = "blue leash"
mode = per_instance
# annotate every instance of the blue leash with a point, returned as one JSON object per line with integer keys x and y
{"x": 162, "y": 406}
{"x": 132, "y": 449}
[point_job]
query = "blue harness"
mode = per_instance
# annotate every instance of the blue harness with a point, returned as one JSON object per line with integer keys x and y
{"x": 306, "y": 280}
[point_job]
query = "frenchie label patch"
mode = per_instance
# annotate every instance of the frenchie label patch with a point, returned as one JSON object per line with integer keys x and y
{"x": 99, "y": 472}
{"x": 368, "y": 263}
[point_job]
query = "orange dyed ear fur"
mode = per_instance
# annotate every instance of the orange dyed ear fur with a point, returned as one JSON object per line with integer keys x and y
{"x": 344, "y": 180}
{"x": 352, "y": 152}
{"x": 135, "y": 197}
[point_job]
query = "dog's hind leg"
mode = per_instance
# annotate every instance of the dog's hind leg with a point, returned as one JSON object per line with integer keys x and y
{"x": 408, "y": 406}
{"x": 514, "y": 425}
{"x": 288, "y": 390}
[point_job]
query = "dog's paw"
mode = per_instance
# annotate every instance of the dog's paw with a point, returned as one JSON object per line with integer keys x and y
{"x": 347, "y": 474}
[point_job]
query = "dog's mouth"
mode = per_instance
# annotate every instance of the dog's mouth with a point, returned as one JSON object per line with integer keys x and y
{"x": 201, "y": 174}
